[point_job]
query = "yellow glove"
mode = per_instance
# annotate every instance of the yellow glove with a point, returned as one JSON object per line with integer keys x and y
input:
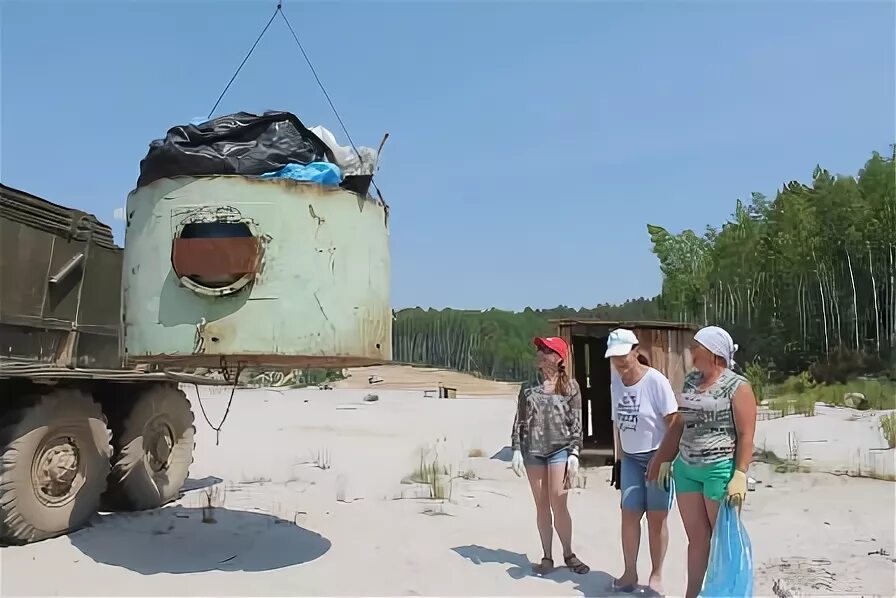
{"x": 737, "y": 489}
{"x": 665, "y": 476}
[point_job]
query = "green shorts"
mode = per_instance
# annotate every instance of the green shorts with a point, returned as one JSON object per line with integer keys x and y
{"x": 710, "y": 480}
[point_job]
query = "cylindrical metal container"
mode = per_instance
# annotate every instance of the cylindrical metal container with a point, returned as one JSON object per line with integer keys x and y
{"x": 230, "y": 270}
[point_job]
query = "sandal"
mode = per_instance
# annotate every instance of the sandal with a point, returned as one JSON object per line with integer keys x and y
{"x": 575, "y": 565}
{"x": 545, "y": 567}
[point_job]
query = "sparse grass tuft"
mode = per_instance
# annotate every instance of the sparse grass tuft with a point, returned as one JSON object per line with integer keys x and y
{"x": 322, "y": 459}
{"x": 758, "y": 376}
{"x": 476, "y": 453}
{"x": 802, "y": 404}
{"x": 888, "y": 426}
{"x": 799, "y": 394}
{"x": 432, "y": 472}
{"x": 215, "y": 497}
{"x": 468, "y": 474}
{"x": 876, "y": 393}
{"x": 789, "y": 465}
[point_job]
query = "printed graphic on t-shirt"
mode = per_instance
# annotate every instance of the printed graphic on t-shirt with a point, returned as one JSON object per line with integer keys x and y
{"x": 627, "y": 411}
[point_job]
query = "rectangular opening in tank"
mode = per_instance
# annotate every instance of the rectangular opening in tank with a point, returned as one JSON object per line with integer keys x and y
{"x": 215, "y": 258}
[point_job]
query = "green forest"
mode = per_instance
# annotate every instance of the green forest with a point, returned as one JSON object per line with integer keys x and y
{"x": 804, "y": 281}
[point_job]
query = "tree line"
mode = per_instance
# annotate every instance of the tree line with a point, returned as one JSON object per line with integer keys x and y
{"x": 494, "y": 343}
{"x": 804, "y": 280}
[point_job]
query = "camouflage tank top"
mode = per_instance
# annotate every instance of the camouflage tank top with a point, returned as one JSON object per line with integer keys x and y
{"x": 709, "y": 435}
{"x": 546, "y": 422}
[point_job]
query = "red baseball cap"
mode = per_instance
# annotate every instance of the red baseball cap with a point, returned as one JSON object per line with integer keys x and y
{"x": 555, "y": 344}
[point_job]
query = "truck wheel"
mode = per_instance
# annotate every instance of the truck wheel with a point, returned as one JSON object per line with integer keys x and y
{"x": 153, "y": 441}
{"x": 54, "y": 460}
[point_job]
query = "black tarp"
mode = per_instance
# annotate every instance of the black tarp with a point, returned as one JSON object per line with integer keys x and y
{"x": 240, "y": 143}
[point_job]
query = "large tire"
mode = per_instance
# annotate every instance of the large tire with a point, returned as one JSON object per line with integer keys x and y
{"x": 54, "y": 460}
{"x": 152, "y": 437}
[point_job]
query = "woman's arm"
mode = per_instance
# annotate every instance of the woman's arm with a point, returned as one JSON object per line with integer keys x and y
{"x": 668, "y": 448}
{"x": 743, "y": 407}
{"x": 666, "y": 406}
{"x": 575, "y": 414}
{"x": 617, "y": 451}
{"x": 517, "y": 421}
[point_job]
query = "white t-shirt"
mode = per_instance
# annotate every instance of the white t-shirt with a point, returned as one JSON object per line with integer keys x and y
{"x": 638, "y": 410}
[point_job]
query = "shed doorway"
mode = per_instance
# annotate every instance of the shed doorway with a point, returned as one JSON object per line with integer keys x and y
{"x": 592, "y": 372}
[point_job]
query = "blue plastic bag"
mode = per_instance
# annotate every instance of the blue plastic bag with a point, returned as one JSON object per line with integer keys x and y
{"x": 323, "y": 173}
{"x": 730, "y": 569}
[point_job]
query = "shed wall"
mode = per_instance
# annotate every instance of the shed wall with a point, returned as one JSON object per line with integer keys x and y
{"x": 667, "y": 348}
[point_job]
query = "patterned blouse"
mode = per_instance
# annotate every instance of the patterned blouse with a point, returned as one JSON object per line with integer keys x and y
{"x": 709, "y": 435}
{"x": 546, "y": 422}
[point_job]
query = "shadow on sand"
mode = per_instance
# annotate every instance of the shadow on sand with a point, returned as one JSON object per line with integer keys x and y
{"x": 180, "y": 540}
{"x": 593, "y": 583}
{"x": 207, "y": 482}
{"x": 505, "y": 455}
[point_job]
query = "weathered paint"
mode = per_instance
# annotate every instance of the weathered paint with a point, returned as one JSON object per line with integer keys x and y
{"x": 320, "y": 296}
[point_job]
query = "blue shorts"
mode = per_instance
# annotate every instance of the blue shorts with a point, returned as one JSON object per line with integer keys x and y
{"x": 556, "y": 458}
{"x": 638, "y": 494}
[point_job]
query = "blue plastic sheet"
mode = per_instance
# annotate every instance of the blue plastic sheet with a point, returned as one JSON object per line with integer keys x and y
{"x": 323, "y": 173}
{"x": 729, "y": 573}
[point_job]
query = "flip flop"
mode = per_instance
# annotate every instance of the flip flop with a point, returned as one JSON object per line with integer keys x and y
{"x": 628, "y": 589}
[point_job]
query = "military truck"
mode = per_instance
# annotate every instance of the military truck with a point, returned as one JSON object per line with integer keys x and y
{"x": 221, "y": 269}
{"x": 78, "y": 430}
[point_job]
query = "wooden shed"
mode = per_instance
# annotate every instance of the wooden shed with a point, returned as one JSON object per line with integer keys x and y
{"x": 666, "y": 345}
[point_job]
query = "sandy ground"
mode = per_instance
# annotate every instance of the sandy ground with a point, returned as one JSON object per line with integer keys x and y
{"x": 403, "y": 377}
{"x": 835, "y": 440}
{"x": 309, "y": 500}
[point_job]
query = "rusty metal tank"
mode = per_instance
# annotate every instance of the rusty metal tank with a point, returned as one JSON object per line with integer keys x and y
{"x": 229, "y": 270}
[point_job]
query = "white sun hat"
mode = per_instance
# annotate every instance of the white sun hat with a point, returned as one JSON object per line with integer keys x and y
{"x": 620, "y": 342}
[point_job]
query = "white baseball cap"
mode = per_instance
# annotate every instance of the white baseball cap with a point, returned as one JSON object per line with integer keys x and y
{"x": 620, "y": 342}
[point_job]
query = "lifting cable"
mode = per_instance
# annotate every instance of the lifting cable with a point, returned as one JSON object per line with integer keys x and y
{"x": 217, "y": 429}
{"x": 279, "y": 10}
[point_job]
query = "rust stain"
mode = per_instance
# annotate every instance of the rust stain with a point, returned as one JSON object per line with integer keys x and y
{"x": 216, "y": 258}
{"x": 213, "y": 360}
{"x": 315, "y": 216}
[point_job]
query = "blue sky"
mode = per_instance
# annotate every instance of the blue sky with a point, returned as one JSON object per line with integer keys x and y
{"x": 531, "y": 142}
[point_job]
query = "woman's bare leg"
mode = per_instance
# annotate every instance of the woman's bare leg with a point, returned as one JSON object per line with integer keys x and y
{"x": 712, "y": 511}
{"x": 562, "y": 519}
{"x": 698, "y": 527}
{"x": 538, "y": 481}
{"x": 630, "y": 532}
{"x": 658, "y": 534}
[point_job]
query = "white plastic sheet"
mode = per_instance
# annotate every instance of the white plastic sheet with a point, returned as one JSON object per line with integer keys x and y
{"x": 346, "y": 158}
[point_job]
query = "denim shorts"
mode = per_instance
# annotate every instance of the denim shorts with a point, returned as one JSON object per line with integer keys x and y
{"x": 555, "y": 458}
{"x": 637, "y": 493}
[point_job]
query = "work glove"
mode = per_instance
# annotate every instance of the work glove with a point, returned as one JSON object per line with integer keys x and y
{"x": 572, "y": 469}
{"x": 664, "y": 479}
{"x": 517, "y": 463}
{"x": 616, "y": 478}
{"x": 662, "y": 475}
{"x": 737, "y": 489}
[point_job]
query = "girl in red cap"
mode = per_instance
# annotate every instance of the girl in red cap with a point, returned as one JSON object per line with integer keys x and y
{"x": 546, "y": 438}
